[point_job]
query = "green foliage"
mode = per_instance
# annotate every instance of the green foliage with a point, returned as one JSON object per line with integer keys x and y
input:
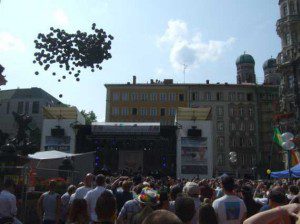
{"x": 89, "y": 116}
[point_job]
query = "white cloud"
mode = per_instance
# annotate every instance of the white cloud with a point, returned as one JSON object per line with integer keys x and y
{"x": 190, "y": 51}
{"x": 60, "y": 17}
{"x": 9, "y": 42}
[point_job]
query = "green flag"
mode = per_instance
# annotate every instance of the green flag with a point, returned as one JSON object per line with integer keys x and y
{"x": 277, "y": 137}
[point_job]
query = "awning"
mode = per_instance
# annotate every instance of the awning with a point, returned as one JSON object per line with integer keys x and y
{"x": 53, "y": 154}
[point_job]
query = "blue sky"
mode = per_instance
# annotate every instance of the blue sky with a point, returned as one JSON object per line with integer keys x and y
{"x": 153, "y": 39}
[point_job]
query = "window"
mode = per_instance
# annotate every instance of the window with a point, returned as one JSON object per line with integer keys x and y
{"x": 116, "y": 96}
{"x": 207, "y": 96}
{"x": 294, "y": 37}
{"x": 243, "y": 158}
{"x": 115, "y": 111}
{"x": 26, "y": 107}
{"x": 232, "y": 126}
{"x": 220, "y": 111}
{"x": 220, "y": 142}
{"x": 250, "y": 142}
{"x": 7, "y": 107}
{"x": 241, "y": 96}
{"x": 219, "y": 96}
{"x": 153, "y": 96}
{"x": 249, "y": 97}
{"x": 291, "y": 81}
{"x": 285, "y": 10}
{"x": 242, "y": 126}
{"x": 220, "y": 159}
{"x": 163, "y": 97}
{"x": 181, "y": 97}
{"x": 231, "y": 96}
{"x": 242, "y": 142}
{"x": 124, "y": 96}
{"x": 124, "y": 111}
{"x": 153, "y": 112}
{"x": 292, "y": 8}
{"x": 172, "y": 97}
{"x": 35, "y": 107}
{"x": 144, "y": 96}
{"x": 172, "y": 111}
{"x": 134, "y": 111}
{"x": 251, "y": 126}
{"x": 233, "y": 142}
{"x": 250, "y": 111}
{"x": 194, "y": 96}
{"x": 143, "y": 111}
{"x": 162, "y": 111}
{"x": 134, "y": 97}
{"x": 241, "y": 111}
{"x": 220, "y": 126}
{"x": 288, "y": 38}
{"x": 20, "y": 107}
{"x": 231, "y": 111}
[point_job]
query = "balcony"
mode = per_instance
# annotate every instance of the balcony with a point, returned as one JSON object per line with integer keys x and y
{"x": 289, "y": 18}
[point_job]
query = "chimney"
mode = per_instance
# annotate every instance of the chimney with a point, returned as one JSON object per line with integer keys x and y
{"x": 207, "y": 81}
{"x": 134, "y": 80}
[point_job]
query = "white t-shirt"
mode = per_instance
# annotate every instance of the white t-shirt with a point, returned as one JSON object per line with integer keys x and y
{"x": 91, "y": 199}
{"x": 230, "y": 209}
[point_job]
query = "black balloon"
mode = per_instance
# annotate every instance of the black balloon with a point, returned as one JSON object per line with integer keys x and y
{"x": 69, "y": 50}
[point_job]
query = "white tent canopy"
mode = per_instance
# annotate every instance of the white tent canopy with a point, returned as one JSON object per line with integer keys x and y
{"x": 53, "y": 154}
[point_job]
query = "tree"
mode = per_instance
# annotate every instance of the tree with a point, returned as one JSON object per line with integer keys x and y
{"x": 89, "y": 116}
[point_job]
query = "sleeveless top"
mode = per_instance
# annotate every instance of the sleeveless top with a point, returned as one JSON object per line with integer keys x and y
{"x": 50, "y": 205}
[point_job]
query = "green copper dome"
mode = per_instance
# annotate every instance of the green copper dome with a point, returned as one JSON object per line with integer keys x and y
{"x": 270, "y": 63}
{"x": 245, "y": 58}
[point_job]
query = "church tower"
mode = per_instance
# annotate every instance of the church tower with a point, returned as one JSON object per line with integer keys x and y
{"x": 245, "y": 69}
{"x": 271, "y": 75}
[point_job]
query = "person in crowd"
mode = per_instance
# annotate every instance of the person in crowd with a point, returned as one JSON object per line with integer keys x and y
{"x": 276, "y": 198}
{"x": 49, "y": 205}
{"x": 175, "y": 191}
{"x": 93, "y": 195}
{"x": 207, "y": 214}
{"x": 106, "y": 208}
{"x": 81, "y": 192}
{"x": 185, "y": 209}
{"x": 78, "y": 212}
{"x": 252, "y": 206}
{"x": 124, "y": 195}
{"x": 206, "y": 192}
{"x": 293, "y": 192}
{"x": 65, "y": 199}
{"x": 192, "y": 190}
{"x": 162, "y": 217}
{"x": 134, "y": 211}
{"x": 229, "y": 208}
{"x": 280, "y": 215}
{"x": 8, "y": 203}
{"x": 163, "y": 200}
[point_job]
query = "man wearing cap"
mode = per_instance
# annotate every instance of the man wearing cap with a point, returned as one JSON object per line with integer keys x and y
{"x": 230, "y": 209}
{"x": 131, "y": 209}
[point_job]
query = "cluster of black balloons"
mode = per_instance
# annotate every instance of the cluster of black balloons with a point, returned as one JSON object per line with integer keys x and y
{"x": 72, "y": 52}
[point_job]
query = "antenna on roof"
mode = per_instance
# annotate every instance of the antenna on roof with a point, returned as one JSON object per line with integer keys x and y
{"x": 184, "y": 69}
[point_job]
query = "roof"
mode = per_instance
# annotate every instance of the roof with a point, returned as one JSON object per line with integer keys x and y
{"x": 34, "y": 92}
{"x": 60, "y": 112}
{"x": 126, "y": 123}
{"x": 245, "y": 59}
{"x": 270, "y": 63}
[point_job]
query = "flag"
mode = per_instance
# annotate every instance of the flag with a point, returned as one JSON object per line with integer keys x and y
{"x": 294, "y": 158}
{"x": 277, "y": 137}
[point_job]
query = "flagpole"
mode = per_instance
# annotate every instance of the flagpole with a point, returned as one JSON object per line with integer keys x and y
{"x": 289, "y": 163}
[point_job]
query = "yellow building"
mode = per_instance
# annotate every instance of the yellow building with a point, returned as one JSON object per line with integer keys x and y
{"x": 152, "y": 102}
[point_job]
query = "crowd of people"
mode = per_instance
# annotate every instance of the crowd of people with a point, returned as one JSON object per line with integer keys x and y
{"x": 145, "y": 200}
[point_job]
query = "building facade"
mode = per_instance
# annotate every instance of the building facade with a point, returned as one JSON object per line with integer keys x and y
{"x": 241, "y": 115}
{"x": 288, "y": 61}
{"x": 153, "y": 102}
{"x": 23, "y": 101}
